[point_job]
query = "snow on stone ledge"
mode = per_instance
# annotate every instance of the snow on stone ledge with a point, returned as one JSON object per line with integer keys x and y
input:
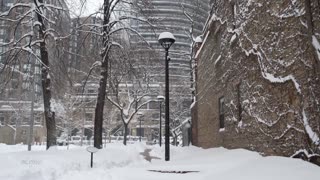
{"x": 217, "y": 60}
{"x": 274, "y": 79}
{"x": 313, "y": 136}
{"x": 203, "y": 42}
{"x": 198, "y": 39}
{"x": 193, "y": 104}
{"x": 233, "y": 38}
{"x": 316, "y": 45}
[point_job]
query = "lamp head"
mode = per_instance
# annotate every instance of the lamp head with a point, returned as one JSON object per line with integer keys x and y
{"x": 160, "y": 98}
{"x": 188, "y": 125}
{"x": 166, "y": 39}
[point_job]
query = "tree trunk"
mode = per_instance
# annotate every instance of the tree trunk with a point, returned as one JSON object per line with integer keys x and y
{"x": 309, "y": 18}
{"x": 310, "y": 24}
{"x": 125, "y": 134}
{"x": 98, "y": 119}
{"x": 46, "y": 82}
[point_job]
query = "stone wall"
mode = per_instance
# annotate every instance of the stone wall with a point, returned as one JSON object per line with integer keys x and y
{"x": 259, "y": 56}
{"x": 8, "y": 136}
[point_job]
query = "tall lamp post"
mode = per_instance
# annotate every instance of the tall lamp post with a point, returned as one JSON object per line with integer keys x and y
{"x": 160, "y": 99}
{"x": 140, "y": 130}
{"x": 166, "y": 39}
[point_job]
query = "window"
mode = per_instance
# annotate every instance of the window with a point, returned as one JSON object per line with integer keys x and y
{"x": 13, "y": 121}
{"x": 14, "y": 84}
{"x": 37, "y": 70}
{"x": 1, "y": 120}
{"x": 25, "y": 121}
{"x": 89, "y": 116}
{"x": 140, "y": 132}
{"x": 153, "y": 105}
{"x": 24, "y": 132}
{"x": 239, "y": 102}
{"x": 26, "y": 67}
{"x": 221, "y": 112}
{"x": 37, "y": 120}
{"x": 1, "y": 51}
{"x": 91, "y": 91}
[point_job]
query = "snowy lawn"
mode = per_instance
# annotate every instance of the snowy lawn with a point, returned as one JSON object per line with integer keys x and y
{"x": 118, "y": 162}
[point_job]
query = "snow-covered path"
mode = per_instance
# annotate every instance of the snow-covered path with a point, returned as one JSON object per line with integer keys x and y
{"x": 118, "y": 162}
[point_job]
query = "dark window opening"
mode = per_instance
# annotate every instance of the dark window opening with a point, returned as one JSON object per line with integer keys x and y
{"x": 89, "y": 116}
{"x": 221, "y": 112}
{"x": 1, "y": 120}
{"x": 239, "y": 102}
{"x": 140, "y": 132}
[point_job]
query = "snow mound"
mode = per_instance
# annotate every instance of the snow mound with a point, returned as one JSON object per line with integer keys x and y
{"x": 121, "y": 162}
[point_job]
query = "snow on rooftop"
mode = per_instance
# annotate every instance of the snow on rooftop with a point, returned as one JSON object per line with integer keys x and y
{"x": 198, "y": 39}
{"x": 202, "y": 45}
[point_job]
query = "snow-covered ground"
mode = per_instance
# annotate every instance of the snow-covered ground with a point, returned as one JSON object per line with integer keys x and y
{"x": 118, "y": 162}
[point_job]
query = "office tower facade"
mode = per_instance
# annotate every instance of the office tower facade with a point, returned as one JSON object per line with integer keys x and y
{"x": 185, "y": 20}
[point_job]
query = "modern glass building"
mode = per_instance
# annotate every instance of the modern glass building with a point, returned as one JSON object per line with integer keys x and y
{"x": 183, "y": 18}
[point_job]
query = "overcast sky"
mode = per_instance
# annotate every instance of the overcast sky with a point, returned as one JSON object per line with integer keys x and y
{"x": 90, "y": 7}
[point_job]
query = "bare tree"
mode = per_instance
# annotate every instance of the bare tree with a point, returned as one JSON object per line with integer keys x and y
{"x": 35, "y": 25}
{"x": 128, "y": 89}
{"x": 112, "y": 23}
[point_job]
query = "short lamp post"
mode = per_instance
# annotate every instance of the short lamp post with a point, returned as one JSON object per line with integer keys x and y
{"x": 187, "y": 127}
{"x": 166, "y": 39}
{"x": 160, "y": 99}
{"x": 140, "y": 130}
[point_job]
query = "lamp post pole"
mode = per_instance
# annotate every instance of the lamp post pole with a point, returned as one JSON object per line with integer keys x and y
{"x": 160, "y": 129}
{"x": 140, "y": 130}
{"x": 167, "y": 133}
{"x": 160, "y": 100}
{"x": 166, "y": 39}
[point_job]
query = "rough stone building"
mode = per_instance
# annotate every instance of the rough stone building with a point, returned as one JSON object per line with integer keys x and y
{"x": 258, "y": 77}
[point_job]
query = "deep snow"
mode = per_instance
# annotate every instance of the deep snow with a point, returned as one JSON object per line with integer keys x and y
{"x": 125, "y": 163}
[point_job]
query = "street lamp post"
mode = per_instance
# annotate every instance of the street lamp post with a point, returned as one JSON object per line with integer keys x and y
{"x": 160, "y": 99}
{"x": 166, "y": 39}
{"x": 140, "y": 131}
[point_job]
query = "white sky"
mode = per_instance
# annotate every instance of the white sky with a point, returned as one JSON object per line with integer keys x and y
{"x": 90, "y": 7}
